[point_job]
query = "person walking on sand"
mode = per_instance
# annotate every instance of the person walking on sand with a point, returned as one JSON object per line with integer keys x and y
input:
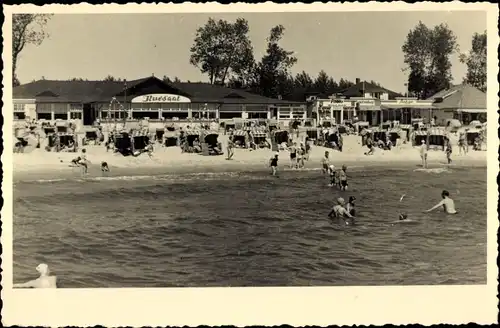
{"x": 44, "y": 281}
{"x": 423, "y": 154}
{"x": 230, "y": 149}
{"x": 447, "y": 203}
{"x": 462, "y": 145}
{"x": 273, "y": 163}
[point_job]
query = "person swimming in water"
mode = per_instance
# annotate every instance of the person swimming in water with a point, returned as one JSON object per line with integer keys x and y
{"x": 403, "y": 216}
{"x": 447, "y": 203}
{"x": 350, "y": 207}
{"x": 44, "y": 281}
{"x": 340, "y": 212}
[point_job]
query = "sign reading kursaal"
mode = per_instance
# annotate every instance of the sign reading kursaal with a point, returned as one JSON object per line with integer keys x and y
{"x": 161, "y": 98}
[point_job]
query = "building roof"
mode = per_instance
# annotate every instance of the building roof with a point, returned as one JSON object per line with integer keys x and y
{"x": 99, "y": 91}
{"x": 204, "y": 92}
{"x": 71, "y": 91}
{"x": 360, "y": 88}
{"x": 460, "y": 96}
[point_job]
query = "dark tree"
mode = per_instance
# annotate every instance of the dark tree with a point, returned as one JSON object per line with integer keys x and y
{"x": 476, "y": 62}
{"x": 303, "y": 80}
{"x": 112, "y": 78}
{"x": 427, "y": 55}
{"x": 222, "y": 50}
{"x": 272, "y": 73}
{"x": 26, "y": 29}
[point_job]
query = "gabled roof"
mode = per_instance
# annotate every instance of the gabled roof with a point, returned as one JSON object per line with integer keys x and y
{"x": 72, "y": 91}
{"x": 98, "y": 91}
{"x": 363, "y": 86}
{"x": 460, "y": 96}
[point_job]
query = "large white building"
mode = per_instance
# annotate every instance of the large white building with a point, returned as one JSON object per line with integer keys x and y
{"x": 373, "y": 104}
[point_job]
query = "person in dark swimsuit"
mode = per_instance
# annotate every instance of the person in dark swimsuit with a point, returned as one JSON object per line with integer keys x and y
{"x": 293, "y": 156}
{"x": 104, "y": 167}
{"x": 350, "y": 207}
{"x": 273, "y": 162}
{"x": 343, "y": 178}
{"x": 75, "y": 161}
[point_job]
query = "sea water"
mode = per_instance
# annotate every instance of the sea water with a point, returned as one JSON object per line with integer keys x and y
{"x": 251, "y": 229}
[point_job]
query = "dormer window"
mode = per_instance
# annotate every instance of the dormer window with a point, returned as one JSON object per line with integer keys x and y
{"x": 47, "y": 93}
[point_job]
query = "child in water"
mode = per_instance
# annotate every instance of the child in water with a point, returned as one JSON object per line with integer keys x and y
{"x": 333, "y": 174}
{"x": 343, "y": 178}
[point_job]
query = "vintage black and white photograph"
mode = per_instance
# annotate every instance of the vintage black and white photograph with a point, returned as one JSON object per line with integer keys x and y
{"x": 249, "y": 149}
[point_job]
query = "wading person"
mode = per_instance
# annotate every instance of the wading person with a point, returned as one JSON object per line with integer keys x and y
{"x": 423, "y": 154}
{"x": 447, "y": 203}
{"x": 273, "y": 163}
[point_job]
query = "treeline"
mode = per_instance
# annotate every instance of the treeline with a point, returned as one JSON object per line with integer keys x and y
{"x": 223, "y": 51}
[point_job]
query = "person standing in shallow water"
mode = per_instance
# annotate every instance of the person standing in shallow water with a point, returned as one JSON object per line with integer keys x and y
{"x": 448, "y": 152}
{"x": 423, "y": 154}
{"x": 343, "y": 178}
{"x": 325, "y": 162}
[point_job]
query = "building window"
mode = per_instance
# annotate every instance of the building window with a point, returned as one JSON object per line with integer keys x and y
{"x": 19, "y": 108}
{"x": 19, "y": 116}
{"x": 60, "y": 116}
{"x": 204, "y": 115}
{"x": 229, "y": 115}
{"x": 145, "y": 107}
{"x": 43, "y": 116}
{"x": 75, "y": 115}
{"x": 175, "y": 106}
{"x": 44, "y": 108}
{"x": 143, "y": 114}
{"x": 256, "y": 115}
{"x": 114, "y": 115}
{"x": 170, "y": 115}
{"x": 296, "y": 114}
{"x": 75, "y": 107}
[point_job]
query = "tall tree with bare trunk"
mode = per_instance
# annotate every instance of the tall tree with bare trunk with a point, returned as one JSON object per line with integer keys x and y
{"x": 26, "y": 29}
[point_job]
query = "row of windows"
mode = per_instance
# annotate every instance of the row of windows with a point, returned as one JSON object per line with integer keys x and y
{"x": 57, "y": 107}
{"x": 48, "y": 116}
{"x": 19, "y": 107}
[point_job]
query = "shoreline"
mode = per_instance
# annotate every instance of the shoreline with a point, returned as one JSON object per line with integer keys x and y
{"x": 40, "y": 165}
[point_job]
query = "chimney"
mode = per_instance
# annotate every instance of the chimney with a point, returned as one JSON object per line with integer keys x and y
{"x": 358, "y": 80}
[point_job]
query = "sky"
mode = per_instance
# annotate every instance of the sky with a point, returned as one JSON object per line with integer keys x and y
{"x": 349, "y": 45}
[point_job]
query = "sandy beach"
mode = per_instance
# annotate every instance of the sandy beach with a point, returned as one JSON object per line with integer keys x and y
{"x": 168, "y": 160}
